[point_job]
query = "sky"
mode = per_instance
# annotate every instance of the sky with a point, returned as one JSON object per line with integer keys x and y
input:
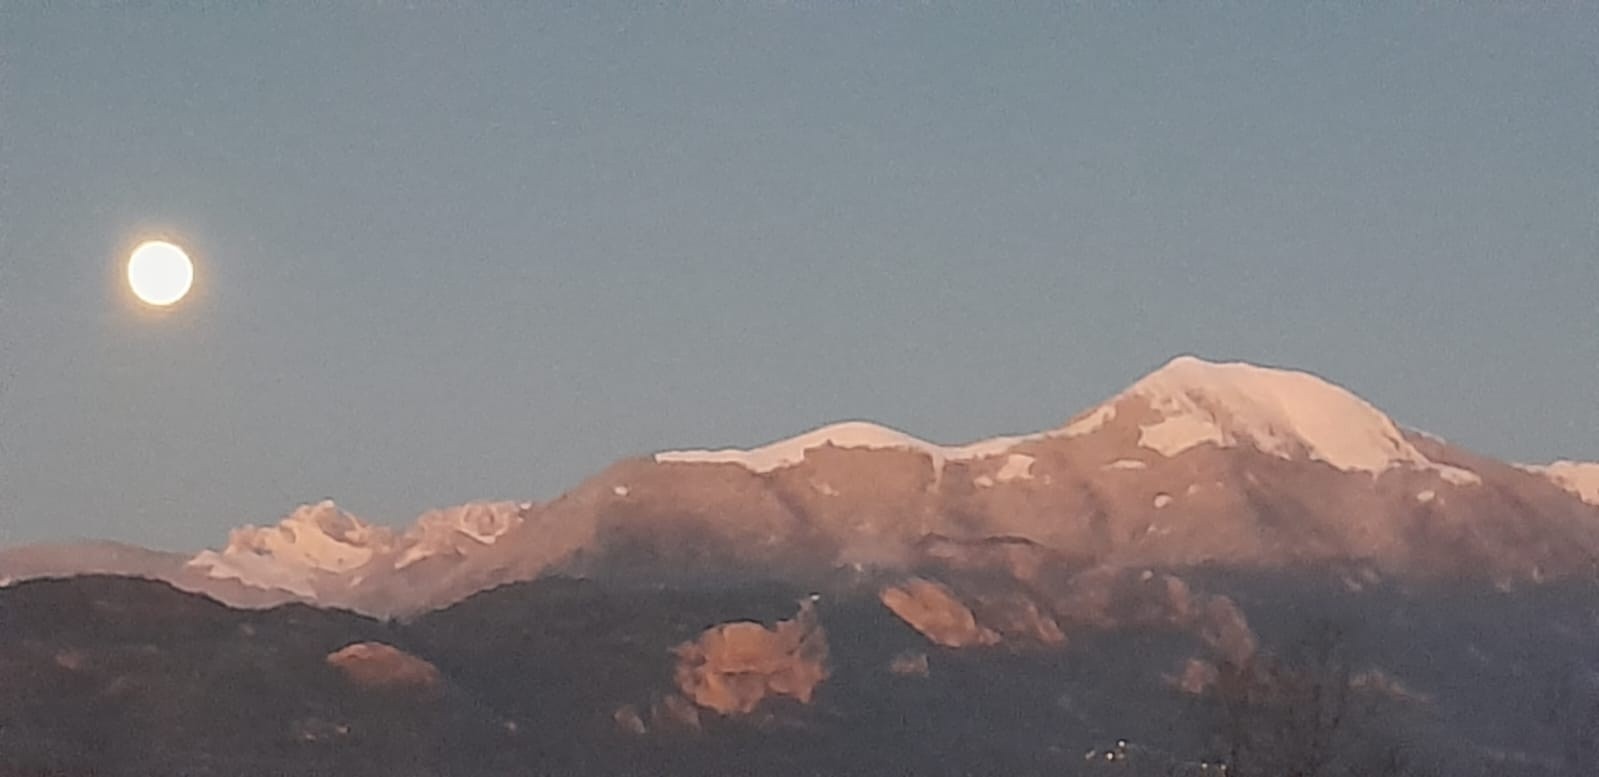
{"x": 456, "y": 253}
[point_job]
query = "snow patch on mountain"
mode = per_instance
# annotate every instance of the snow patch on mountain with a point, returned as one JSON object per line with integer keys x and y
{"x": 1017, "y": 467}
{"x": 1578, "y": 477}
{"x": 1457, "y": 476}
{"x": 1089, "y": 422}
{"x": 849, "y": 434}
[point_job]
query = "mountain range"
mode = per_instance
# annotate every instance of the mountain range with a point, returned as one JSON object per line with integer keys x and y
{"x": 1197, "y": 463}
{"x": 1224, "y": 564}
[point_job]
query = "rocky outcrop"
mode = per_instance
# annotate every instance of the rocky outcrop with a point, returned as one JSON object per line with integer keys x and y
{"x": 994, "y": 610}
{"x": 1223, "y": 627}
{"x": 910, "y": 663}
{"x": 933, "y": 609}
{"x": 675, "y": 712}
{"x": 1376, "y": 681}
{"x": 381, "y": 666}
{"x": 1014, "y": 557}
{"x": 734, "y": 667}
{"x": 1197, "y": 677}
{"x": 1018, "y": 618}
{"x": 628, "y": 719}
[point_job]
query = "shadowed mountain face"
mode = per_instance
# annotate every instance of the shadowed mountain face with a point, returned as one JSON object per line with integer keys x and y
{"x": 111, "y": 676}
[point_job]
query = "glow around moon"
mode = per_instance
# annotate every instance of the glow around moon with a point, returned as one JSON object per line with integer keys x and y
{"x": 160, "y": 273}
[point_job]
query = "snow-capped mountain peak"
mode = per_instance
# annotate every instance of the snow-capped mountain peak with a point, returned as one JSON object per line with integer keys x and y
{"x": 313, "y": 540}
{"x": 320, "y": 536}
{"x": 1285, "y": 413}
{"x": 1281, "y": 412}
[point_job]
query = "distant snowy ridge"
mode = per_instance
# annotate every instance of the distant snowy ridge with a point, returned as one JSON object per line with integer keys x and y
{"x": 868, "y": 435}
{"x": 322, "y": 543}
{"x": 849, "y": 434}
{"x": 1578, "y": 477}
{"x": 312, "y": 541}
{"x": 437, "y": 531}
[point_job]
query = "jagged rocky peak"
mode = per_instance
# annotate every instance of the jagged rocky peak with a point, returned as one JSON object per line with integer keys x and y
{"x": 312, "y": 541}
{"x": 309, "y": 548}
{"x": 321, "y": 536}
{"x": 1284, "y": 413}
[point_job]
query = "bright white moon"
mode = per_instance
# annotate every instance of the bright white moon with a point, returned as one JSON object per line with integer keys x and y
{"x": 160, "y": 273}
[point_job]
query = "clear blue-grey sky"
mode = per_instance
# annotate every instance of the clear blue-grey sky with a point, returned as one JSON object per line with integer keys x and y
{"x": 449, "y": 254}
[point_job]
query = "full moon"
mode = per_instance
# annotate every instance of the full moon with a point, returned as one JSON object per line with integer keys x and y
{"x": 160, "y": 273}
